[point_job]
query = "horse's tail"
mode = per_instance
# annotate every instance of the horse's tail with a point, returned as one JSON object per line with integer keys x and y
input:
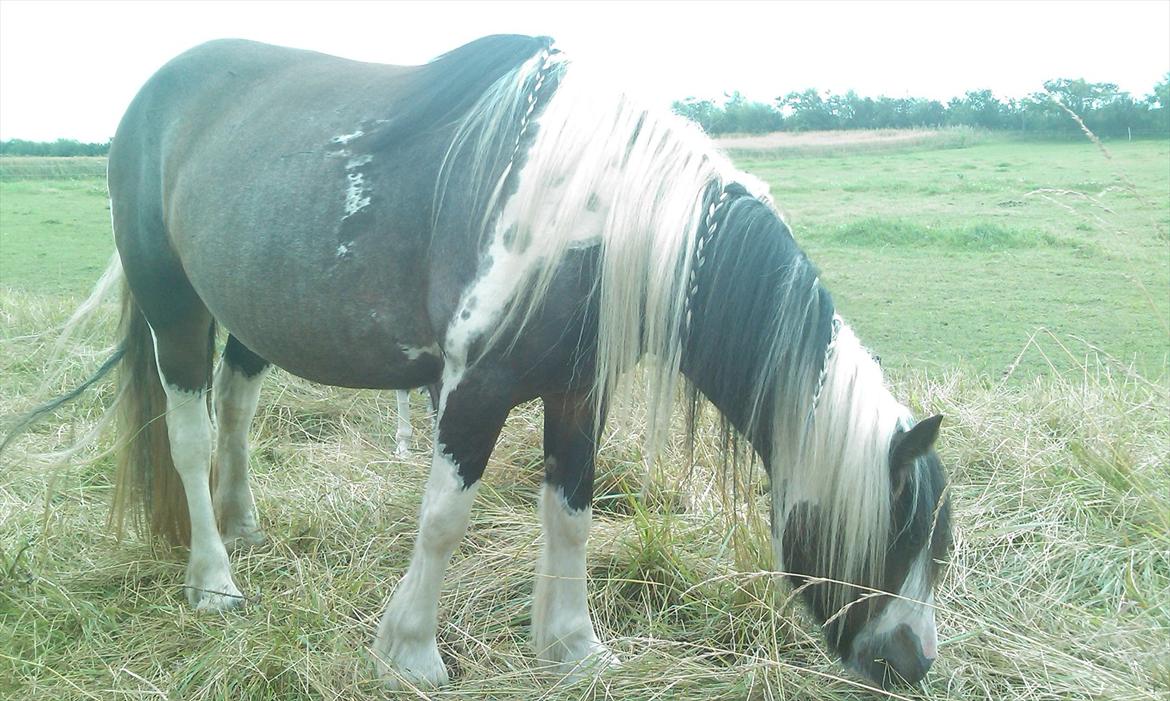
{"x": 72, "y": 333}
{"x": 146, "y": 486}
{"x": 26, "y": 421}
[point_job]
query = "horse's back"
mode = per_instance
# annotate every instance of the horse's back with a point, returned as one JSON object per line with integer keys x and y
{"x": 238, "y": 170}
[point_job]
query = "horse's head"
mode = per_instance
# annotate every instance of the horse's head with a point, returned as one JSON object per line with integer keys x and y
{"x": 879, "y": 614}
{"x": 859, "y": 507}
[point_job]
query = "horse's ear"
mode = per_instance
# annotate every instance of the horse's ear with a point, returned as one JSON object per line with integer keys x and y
{"x": 906, "y": 446}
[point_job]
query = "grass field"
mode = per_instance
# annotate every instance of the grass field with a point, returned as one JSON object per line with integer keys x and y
{"x": 956, "y": 257}
{"x": 1021, "y": 289}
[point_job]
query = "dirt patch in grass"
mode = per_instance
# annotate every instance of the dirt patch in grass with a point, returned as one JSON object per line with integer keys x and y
{"x": 821, "y": 143}
{"x": 52, "y": 168}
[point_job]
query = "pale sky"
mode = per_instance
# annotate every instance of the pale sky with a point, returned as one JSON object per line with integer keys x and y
{"x": 68, "y": 69}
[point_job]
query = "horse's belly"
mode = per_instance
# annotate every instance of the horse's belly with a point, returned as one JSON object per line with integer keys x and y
{"x": 337, "y": 351}
{"x": 351, "y": 322}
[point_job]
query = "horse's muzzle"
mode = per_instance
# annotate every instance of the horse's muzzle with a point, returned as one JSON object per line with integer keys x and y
{"x": 892, "y": 660}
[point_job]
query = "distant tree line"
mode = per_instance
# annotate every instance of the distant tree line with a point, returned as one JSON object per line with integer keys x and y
{"x": 60, "y": 147}
{"x": 1104, "y": 108}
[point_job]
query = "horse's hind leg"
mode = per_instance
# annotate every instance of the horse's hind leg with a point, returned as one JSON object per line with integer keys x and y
{"x": 236, "y": 392}
{"x": 183, "y": 352}
{"x": 562, "y": 629}
{"x": 405, "y": 647}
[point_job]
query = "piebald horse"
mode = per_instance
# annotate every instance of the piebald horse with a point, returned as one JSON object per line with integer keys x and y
{"x": 495, "y": 224}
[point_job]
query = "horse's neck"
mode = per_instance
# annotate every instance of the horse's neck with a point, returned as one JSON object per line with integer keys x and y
{"x": 759, "y": 326}
{"x": 735, "y": 406}
{"x": 721, "y": 352}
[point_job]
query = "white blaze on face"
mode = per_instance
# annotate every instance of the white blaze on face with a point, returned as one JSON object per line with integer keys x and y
{"x": 914, "y": 607}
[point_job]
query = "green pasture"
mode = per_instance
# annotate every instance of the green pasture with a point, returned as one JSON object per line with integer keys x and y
{"x": 956, "y": 257}
{"x": 55, "y": 235}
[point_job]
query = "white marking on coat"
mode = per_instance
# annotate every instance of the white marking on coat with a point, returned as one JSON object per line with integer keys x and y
{"x": 413, "y": 353}
{"x": 358, "y": 162}
{"x": 503, "y": 267}
{"x": 356, "y": 191}
{"x": 356, "y": 197}
{"x": 344, "y": 139}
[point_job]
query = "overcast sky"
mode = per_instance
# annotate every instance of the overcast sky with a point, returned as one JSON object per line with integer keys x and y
{"x": 68, "y": 69}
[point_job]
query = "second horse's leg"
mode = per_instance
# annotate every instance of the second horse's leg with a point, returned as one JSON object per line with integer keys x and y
{"x": 403, "y": 434}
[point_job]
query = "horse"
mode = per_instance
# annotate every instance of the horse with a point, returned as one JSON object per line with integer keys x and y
{"x": 495, "y": 225}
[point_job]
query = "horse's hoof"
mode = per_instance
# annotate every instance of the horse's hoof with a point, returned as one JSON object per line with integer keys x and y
{"x": 219, "y": 602}
{"x": 585, "y": 663}
{"x": 411, "y": 667}
{"x": 221, "y": 598}
{"x": 212, "y": 590}
{"x": 243, "y": 539}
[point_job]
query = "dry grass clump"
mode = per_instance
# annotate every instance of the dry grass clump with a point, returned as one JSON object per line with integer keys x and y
{"x": 1059, "y": 586}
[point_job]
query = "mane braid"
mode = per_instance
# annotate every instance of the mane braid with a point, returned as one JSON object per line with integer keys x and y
{"x": 531, "y": 98}
{"x": 711, "y": 224}
{"x": 492, "y": 135}
{"x": 816, "y": 397}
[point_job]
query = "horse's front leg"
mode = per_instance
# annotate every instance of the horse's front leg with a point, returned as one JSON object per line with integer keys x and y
{"x": 405, "y": 647}
{"x": 563, "y": 631}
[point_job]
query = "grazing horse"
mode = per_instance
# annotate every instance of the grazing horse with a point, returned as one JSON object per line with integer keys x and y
{"x": 494, "y": 223}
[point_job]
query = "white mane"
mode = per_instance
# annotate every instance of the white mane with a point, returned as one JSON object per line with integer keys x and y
{"x": 841, "y": 460}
